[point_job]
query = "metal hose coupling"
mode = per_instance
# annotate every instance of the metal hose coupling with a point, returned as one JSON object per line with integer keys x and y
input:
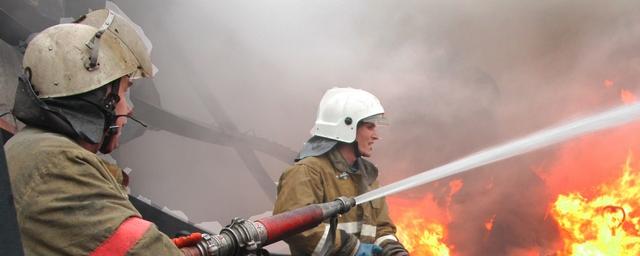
{"x": 245, "y": 237}
{"x": 339, "y": 206}
{"x": 241, "y": 237}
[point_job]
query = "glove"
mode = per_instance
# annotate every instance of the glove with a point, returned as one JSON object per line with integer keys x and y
{"x": 393, "y": 248}
{"x": 187, "y": 240}
{"x": 368, "y": 250}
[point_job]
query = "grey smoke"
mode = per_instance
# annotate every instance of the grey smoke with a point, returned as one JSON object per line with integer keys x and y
{"x": 454, "y": 77}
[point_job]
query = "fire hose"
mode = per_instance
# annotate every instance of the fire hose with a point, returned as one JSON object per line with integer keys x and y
{"x": 244, "y": 237}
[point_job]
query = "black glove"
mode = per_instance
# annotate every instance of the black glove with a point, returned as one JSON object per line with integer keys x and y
{"x": 393, "y": 248}
{"x": 349, "y": 243}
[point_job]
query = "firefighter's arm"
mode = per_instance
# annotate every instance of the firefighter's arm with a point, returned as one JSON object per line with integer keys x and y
{"x": 300, "y": 186}
{"x": 154, "y": 242}
{"x": 386, "y": 231}
{"x": 82, "y": 198}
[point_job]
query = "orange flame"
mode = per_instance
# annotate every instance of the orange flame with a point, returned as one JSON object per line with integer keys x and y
{"x": 420, "y": 225}
{"x": 627, "y": 97}
{"x": 608, "y": 83}
{"x": 607, "y": 224}
{"x": 455, "y": 186}
{"x": 489, "y": 223}
{"x": 421, "y": 237}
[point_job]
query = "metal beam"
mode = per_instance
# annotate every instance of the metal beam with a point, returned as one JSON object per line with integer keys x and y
{"x": 19, "y": 18}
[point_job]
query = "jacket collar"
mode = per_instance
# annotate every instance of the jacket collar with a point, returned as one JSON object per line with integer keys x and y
{"x": 367, "y": 170}
{"x": 339, "y": 163}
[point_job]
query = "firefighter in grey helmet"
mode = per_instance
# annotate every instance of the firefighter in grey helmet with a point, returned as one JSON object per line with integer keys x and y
{"x": 73, "y": 98}
{"x": 331, "y": 164}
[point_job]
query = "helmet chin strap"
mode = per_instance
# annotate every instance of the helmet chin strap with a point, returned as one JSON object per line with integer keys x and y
{"x": 111, "y": 126}
{"x": 134, "y": 119}
{"x": 356, "y": 149}
{"x": 112, "y": 130}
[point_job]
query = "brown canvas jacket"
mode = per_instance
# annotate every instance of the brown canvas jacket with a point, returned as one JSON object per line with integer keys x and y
{"x": 322, "y": 179}
{"x": 68, "y": 200}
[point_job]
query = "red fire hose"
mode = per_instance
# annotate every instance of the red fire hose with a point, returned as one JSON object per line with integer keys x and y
{"x": 243, "y": 237}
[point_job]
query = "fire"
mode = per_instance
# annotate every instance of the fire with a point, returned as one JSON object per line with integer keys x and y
{"x": 421, "y": 224}
{"x": 607, "y": 224}
{"x": 603, "y": 218}
{"x": 627, "y": 97}
{"x": 608, "y": 83}
{"x": 489, "y": 223}
{"x": 420, "y": 236}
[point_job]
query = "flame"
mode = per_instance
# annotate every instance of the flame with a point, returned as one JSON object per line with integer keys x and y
{"x": 489, "y": 223}
{"x": 455, "y": 186}
{"x": 420, "y": 225}
{"x": 421, "y": 237}
{"x": 608, "y": 83}
{"x": 627, "y": 97}
{"x": 607, "y": 224}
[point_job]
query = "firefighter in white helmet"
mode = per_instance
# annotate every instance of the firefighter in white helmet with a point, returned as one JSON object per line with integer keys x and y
{"x": 73, "y": 97}
{"x": 331, "y": 165}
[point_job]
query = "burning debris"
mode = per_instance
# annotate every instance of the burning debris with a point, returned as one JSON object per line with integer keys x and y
{"x": 592, "y": 193}
{"x": 421, "y": 225}
{"x": 489, "y": 223}
{"x": 601, "y": 222}
{"x": 627, "y": 96}
{"x": 607, "y": 224}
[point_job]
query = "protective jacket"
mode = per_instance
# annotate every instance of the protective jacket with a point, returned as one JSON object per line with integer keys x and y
{"x": 71, "y": 202}
{"x": 320, "y": 179}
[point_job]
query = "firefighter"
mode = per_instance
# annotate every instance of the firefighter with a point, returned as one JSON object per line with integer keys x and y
{"x": 73, "y": 98}
{"x": 330, "y": 165}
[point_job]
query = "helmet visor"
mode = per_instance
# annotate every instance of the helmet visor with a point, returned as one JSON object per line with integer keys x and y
{"x": 378, "y": 119}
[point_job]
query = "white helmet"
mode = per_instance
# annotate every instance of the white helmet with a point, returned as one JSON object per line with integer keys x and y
{"x": 340, "y": 111}
{"x": 70, "y": 59}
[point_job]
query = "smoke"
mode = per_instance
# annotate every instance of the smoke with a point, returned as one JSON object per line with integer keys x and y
{"x": 454, "y": 77}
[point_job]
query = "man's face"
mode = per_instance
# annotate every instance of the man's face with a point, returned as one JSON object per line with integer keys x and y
{"x": 122, "y": 108}
{"x": 366, "y": 135}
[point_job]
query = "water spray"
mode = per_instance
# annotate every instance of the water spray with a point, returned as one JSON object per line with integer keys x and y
{"x": 615, "y": 117}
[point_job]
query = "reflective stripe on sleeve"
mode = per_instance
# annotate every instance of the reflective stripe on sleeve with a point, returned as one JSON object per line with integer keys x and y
{"x": 357, "y": 227}
{"x": 350, "y": 227}
{"x": 124, "y": 238}
{"x": 323, "y": 240}
{"x": 368, "y": 230}
{"x": 383, "y": 238}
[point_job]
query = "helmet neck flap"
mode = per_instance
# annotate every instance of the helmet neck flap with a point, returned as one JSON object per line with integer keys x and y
{"x": 85, "y": 116}
{"x": 317, "y": 145}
